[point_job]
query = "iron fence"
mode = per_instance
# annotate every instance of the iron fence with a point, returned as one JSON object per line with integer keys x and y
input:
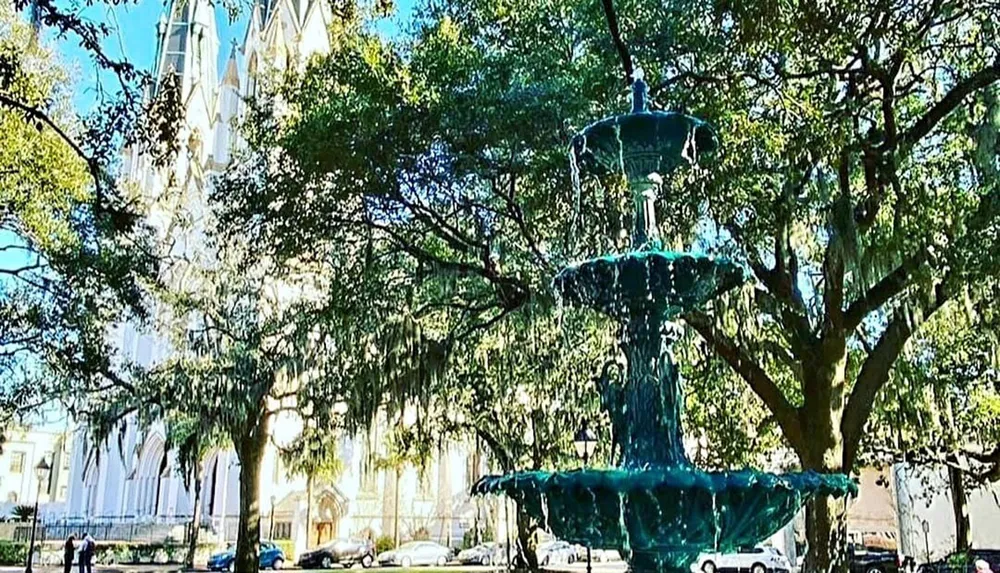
{"x": 119, "y": 530}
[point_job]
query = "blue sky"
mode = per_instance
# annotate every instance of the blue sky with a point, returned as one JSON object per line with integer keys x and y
{"x": 135, "y": 38}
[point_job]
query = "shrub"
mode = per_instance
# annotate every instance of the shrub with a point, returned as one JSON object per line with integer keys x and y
{"x": 138, "y": 553}
{"x": 23, "y": 512}
{"x": 469, "y": 537}
{"x": 13, "y": 553}
{"x": 421, "y": 534}
{"x": 288, "y": 548}
{"x": 384, "y": 543}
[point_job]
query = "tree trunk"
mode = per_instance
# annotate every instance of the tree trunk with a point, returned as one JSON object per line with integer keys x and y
{"x": 960, "y": 507}
{"x": 826, "y": 530}
{"x": 250, "y": 449}
{"x": 195, "y": 518}
{"x": 823, "y": 412}
{"x": 309, "y": 506}
{"x": 395, "y": 511}
{"x": 526, "y": 556}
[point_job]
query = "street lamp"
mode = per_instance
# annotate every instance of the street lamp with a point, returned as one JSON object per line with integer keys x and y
{"x": 585, "y": 442}
{"x": 42, "y": 473}
{"x": 270, "y": 529}
{"x": 926, "y": 526}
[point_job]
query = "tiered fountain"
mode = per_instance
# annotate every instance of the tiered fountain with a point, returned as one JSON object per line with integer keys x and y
{"x": 656, "y": 508}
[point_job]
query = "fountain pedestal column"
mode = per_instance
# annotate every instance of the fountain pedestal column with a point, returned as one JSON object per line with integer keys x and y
{"x": 644, "y": 192}
{"x": 645, "y": 410}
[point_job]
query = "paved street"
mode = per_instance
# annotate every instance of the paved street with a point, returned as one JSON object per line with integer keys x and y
{"x": 616, "y": 567}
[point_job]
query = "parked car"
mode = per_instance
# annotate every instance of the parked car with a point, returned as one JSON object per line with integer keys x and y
{"x": 963, "y": 562}
{"x": 416, "y": 553}
{"x": 345, "y": 552}
{"x": 270, "y": 557}
{"x": 744, "y": 560}
{"x": 861, "y": 559}
{"x": 556, "y": 551}
{"x": 597, "y": 555}
{"x": 488, "y": 553}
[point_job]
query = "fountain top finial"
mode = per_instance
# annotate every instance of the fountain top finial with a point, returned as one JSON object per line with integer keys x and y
{"x": 639, "y": 89}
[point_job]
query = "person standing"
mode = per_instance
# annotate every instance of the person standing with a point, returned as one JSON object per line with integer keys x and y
{"x": 86, "y": 554}
{"x": 69, "y": 549}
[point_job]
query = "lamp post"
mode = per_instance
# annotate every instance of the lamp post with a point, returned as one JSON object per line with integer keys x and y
{"x": 926, "y": 526}
{"x": 270, "y": 525}
{"x": 585, "y": 441}
{"x": 42, "y": 473}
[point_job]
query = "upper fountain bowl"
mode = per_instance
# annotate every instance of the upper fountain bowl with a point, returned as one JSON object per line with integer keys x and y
{"x": 643, "y": 143}
{"x": 642, "y": 282}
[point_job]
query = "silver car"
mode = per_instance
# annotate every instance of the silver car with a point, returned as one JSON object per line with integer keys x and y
{"x": 416, "y": 553}
{"x": 552, "y": 552}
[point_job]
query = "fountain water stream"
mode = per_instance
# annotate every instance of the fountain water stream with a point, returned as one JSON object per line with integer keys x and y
{"x": 656, "y": 508}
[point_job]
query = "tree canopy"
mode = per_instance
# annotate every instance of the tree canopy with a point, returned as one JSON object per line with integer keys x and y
{"x": 74, "y": 255}
{"x": 856, "y": 179}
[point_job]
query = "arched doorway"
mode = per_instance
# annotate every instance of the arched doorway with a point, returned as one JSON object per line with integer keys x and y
{"x": 149, "y": 477}
{"x": 329, "y": 506}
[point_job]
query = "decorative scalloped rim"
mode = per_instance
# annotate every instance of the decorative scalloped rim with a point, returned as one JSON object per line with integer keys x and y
{"x": 838, "y": 485}
{"x": 722, "y": 267}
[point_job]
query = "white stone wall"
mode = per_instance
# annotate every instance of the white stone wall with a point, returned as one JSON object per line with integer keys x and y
{"x": 923, "y": 496}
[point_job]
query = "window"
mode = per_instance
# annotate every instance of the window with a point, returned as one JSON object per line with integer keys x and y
{"x": 282, "y": 529}
{"x": 16, "y": 462}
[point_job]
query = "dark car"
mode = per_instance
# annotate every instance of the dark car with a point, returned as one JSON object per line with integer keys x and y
{"x": 344, "y": 552}
{"x": 867, "y": 560}
{"x": 963, "y": 562}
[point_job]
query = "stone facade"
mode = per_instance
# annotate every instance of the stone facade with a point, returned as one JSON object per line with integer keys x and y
{"x": 134, "y": 479}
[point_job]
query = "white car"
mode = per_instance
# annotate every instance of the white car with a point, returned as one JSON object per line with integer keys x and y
{"x": 746, "y": 560}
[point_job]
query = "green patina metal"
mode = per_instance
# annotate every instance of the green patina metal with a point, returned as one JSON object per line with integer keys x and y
{"x": 656, "y": 508}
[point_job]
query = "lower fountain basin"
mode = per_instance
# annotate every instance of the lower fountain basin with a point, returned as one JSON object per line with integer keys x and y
{"x": 666, "y": 283}
{"x": 664, "y": 517}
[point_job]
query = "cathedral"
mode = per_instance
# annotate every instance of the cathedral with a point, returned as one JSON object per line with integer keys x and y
{"x": 137, "y": 484}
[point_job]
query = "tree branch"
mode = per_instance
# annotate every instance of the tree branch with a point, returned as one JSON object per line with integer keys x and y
{"x": 948, "y": 103}
{"x": 616, "y": 37}
{"x": 762, "y": 384}
{"x": 39, "y": 115}
{"x": 881, "y": 292}
{"x": 875, "y": 371}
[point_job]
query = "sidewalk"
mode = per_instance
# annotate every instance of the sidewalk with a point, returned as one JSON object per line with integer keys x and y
{"x": 99, "y": 569}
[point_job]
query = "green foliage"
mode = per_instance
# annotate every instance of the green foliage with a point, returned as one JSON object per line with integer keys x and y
{"x": 23, "y": 512}
{"x": 384, "y": 543}
{"x": 941, "y": 406}
{"x": 469, "y": 537}
{"x": 857, "y": 181}
{"x": 13, "y": 553}
{"x": 138, "y": 553}
{"x": 75, "y": 255}
{"x": 314, "y": 454}
{"x": 192, "y": 438}
{"x": 421, "y": 534}
{"x": 288, "y": 547}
